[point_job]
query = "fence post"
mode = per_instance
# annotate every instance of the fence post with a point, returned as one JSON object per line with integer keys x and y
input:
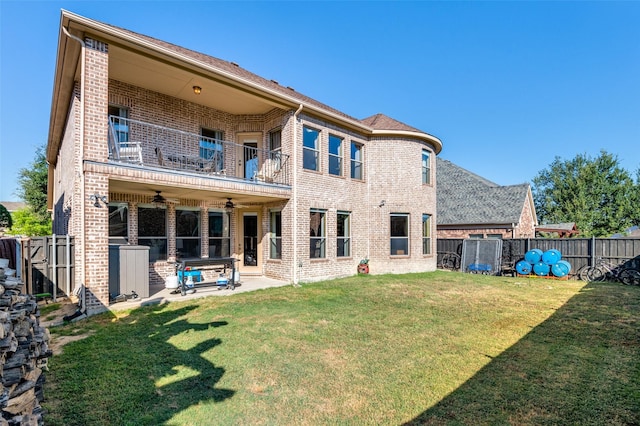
{"x": 68, "y": 266}
{"x": 54, "y": 267}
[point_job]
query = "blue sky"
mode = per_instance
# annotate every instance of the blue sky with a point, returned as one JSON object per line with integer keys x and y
{"x": 506, "y": 86}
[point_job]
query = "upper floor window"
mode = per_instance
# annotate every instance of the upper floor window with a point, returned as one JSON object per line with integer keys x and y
{"x": 152, "y": 231}
{"x": 426, "y": 234}
{"x": 118, "y": 120}
{"x": 344, "y": 234}
{"x": 275, "y": 229}
{"x": 188, "y": 232}
{"x": 317, "y": 234}
{"x": 426, "y": 167}
{"x": 399, "y": 234}
{"x": 335, "y": 155}
{"x": 356, "y": 160}
{"x": 212, "y": 147}
{"x": 119, "y": 221}
{"x": 275, "y": 147}
{"x": 310, "y": 149}
{"x": 219, "y": 239}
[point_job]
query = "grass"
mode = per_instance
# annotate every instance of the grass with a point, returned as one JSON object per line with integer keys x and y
{"x": 435, "y": 348}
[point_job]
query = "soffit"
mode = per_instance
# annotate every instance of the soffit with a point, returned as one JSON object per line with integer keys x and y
{"x": 161, "y": 76}
{"x": 187, "y": 192}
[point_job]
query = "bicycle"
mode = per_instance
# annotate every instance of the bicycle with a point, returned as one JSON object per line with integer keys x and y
{"x": 450, "y": 261}
{"x": 608, "y": 271}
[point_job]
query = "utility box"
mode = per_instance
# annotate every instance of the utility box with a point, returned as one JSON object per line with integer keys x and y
{"x": 128, "y": 270}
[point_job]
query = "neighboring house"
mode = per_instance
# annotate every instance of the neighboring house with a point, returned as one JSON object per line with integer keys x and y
{"x": 13, "y": 206}
{"x": 154, "y": 144}
{"x": 470, "y": 206}
{"x": 557, "y": 230}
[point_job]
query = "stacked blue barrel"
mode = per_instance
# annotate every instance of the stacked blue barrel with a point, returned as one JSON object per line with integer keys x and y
{"x": 543, "y": 264}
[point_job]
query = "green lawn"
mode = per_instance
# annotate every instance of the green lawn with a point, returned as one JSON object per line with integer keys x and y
{"x": 435, "y": 348}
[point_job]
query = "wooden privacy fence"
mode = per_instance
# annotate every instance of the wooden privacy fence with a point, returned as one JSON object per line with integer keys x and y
{"x": 579, "y": 252}
{"x": 47, "y": 264}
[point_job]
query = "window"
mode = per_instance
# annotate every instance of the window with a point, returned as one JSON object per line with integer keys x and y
{"x": 426, "y": 234}
{"x": 495, "y": 236}
{"x": 344, "y": 234}
{"x": 118, "y": 117}
{"x": 275, "y": 237}
{"x": 187, "y": 233}
{"x": 152, "y": 231}
{"x": 310, "y": 149}
{"x": 275, "y": 146}
{"x": 318, "y": 234}
{"x": 335, "y": 155}
{"x": 399, "y": 234}
{"x": 219, "y": 240}
{"x": 356, "y": 160}
{"x": 212, "y": 148}
{"x": 476, "y": 236}
{"x": 118, "y": 222}
{"x": 426, "y": 167}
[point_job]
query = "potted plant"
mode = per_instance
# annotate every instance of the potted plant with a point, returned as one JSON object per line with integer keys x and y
{"x": 363, "y": 266}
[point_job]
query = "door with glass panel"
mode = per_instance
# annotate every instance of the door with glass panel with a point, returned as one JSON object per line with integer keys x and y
{"x": 249, "y": 228}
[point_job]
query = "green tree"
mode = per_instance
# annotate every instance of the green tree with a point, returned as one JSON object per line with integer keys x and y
{"x": 5, "y": 218}
{"x": 597, "y": 194}
{"x": 32, "y": 185}
{"x": 28, "y": 224}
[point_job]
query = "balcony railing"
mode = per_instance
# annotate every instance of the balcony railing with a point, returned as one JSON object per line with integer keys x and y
{"x": 150, "y": 145}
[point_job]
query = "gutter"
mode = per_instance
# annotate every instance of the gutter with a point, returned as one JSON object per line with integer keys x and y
{"x": 83, "y": 259}
{"x": 296, "y": 278}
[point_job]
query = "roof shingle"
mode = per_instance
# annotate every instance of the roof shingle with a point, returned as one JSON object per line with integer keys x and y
{"x": 465, "y": 198}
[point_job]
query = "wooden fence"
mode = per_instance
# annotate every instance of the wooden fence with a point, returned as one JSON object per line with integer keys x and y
{"x": 47, "y": 264}
{"x": 578, "y": 252}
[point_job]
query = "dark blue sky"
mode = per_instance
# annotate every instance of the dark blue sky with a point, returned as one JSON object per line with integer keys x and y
{"x": 506, "y": 86}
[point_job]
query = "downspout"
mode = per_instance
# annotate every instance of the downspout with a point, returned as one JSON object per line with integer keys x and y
{"x": 83, "y": 261}
{"x": 295, "y": 195}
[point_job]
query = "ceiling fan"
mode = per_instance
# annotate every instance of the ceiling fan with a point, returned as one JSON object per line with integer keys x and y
{"x": 159, "y": 199}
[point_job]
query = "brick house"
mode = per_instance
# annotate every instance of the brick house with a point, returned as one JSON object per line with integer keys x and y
{"x": 154, "y": 144}
{"x": 470, "y": 206}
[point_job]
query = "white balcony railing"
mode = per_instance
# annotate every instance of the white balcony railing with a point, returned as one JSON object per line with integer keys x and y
{"x": 153, "y": 146}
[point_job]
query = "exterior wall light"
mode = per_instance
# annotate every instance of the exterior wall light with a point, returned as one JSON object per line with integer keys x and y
{"x": 197, "y": 90}
{"x": 97, "y": 198}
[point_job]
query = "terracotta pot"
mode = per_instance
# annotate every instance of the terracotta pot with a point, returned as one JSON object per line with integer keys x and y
{"x": 363, "y": 268}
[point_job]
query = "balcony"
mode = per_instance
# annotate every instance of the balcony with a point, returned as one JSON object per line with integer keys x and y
{"x": 147, "y": 145}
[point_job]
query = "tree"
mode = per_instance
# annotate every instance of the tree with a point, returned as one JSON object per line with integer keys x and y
{"x": 26, "y": 223}
{"x": 32, "y": 185}
{"x": 5, "y": 218}
{"x": 597, "y": 194}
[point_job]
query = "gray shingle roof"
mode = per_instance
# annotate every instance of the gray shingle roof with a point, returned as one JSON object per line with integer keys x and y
{"x": 465, "y": 198}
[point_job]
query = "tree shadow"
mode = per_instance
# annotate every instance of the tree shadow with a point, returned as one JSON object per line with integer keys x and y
{"x": 581, "y": 366}
{"x": 145, "y": 373}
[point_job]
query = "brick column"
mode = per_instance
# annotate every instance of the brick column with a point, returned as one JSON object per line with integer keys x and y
{"x": 96, "y": 213}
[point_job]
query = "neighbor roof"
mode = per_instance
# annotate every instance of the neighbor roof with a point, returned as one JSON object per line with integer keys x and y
{"x": 465, "y": 198}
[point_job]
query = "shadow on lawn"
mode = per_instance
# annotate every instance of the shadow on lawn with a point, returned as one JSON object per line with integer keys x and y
{"x": 581, "y": 366}
{"x": 148, "y": 378}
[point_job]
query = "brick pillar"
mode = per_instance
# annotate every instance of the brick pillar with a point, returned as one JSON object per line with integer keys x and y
{"x": 96, "y": 213}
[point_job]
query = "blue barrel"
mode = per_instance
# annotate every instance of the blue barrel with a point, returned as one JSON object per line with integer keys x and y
{"x": 541, "y": 269}
{"x": 561, "y": 268}
{"x": 551, "y": 257}
{"x": 523, "y": 267}
{"x": 533, "y": 256}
